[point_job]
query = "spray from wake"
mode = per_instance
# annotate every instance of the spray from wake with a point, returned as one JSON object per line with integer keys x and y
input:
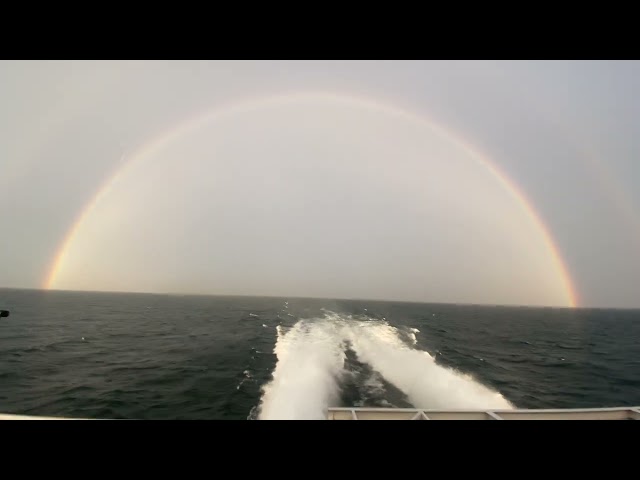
{"x": 305, "y": 381}
{"x": 311, "y": 364}
{"x": 415, "y": 372}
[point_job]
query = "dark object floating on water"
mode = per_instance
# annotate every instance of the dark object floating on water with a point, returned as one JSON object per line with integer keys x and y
{"x": 4, "y": 313}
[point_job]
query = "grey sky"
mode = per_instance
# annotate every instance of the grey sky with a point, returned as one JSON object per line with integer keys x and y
{"x": 565, "y": 132}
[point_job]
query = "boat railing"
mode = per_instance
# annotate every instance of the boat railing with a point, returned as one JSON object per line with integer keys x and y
{"x": 363, "y": 413}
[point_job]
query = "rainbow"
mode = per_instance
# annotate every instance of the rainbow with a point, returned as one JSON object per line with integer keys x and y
{"x": 586, "y": 148}
{"x": 156, "y": 144}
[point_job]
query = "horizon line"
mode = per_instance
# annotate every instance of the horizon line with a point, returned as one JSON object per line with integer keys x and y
{"x": 300, "y": 297}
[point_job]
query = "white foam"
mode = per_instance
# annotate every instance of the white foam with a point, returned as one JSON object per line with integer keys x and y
{"x": 305, "y": 380}
{"x": 311, "y": 362}
{"x": 415, "y": 372}
{"x": 412, "y": 335}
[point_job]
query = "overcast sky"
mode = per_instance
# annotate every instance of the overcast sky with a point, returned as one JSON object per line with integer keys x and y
{"x": 469, "y": 182}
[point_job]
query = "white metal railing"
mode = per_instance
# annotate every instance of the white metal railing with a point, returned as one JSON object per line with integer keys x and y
{"x": 363, "y": 413}
{"x": 8, "y": 416}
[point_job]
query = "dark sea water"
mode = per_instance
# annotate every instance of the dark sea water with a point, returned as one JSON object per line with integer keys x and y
{"x": 143, "y": 356}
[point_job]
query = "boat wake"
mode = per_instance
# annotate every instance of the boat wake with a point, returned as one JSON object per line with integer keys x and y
{"x": 312, "y": 368}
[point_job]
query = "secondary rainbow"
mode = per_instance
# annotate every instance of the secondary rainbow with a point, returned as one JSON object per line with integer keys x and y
{"x": 158, "y": 142}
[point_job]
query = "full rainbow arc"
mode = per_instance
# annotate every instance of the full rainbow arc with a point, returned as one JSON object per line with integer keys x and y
{"x": 156, "y": 144}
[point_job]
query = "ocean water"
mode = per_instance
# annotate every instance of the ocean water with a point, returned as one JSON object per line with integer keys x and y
{"x": 144, "y": 356}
